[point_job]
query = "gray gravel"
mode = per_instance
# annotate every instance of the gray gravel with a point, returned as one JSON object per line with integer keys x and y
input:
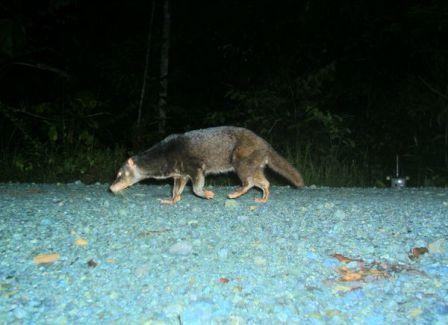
{"x": 128, "y": 258}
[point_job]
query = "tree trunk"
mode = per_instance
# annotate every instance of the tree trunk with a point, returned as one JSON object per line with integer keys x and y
{"x": 164, "y": 60}
{"x": 145, "y": 73}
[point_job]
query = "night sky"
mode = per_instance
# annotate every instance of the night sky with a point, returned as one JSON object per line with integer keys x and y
{"x": 367, "y": 79}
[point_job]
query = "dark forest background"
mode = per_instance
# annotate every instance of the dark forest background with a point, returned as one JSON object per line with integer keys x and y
{"x": 339, "y": 87}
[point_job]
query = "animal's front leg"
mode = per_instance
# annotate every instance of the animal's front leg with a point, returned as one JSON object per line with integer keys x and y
{"x": 198, "y": 181}
{"x": 178, "y": 187}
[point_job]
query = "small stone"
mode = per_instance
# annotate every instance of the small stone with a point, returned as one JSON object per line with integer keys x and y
{"x": 113, "y": 295}
{"x": 339, "y": 214}
{"x": 237, "y": 289}
{"x": 20, "y": 313}
{"x": 442, "y": 309}
{"x": 437, "y": 247}
{"x": 142, "y": 270}
{"x": 329, "y": 205}
{"x": 199, "y": 312}
{"x": 174, "y": 310}
{"x": 260, "y": 261}
{"x": 181, "y": 248}
{"x": 341, "y": 289}
{"x": 231, "y": 204}
{"x": 92, "y": 263}
{"x": 414, "y": 313}
{"x": 193, "y": 223}
{"x": 237, "y": 320}
{"x": 315, "y": 316}
{"x": 352, "y": 265}
{"x": 45, "y": 222}
{"x": 223, "y": 253}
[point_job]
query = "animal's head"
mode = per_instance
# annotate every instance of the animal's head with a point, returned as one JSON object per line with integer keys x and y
{"x": 127, "y": 175}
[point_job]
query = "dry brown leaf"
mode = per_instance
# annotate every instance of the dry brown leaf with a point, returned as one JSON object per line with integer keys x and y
{"x": 46, "y": 258}
{"x": 416, "y": 252}
{"x": 348, "y": 275}
{"x": 342, "y": 258}
{"x": 81, "y": 242}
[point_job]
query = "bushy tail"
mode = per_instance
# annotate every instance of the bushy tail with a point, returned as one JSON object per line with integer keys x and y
{"x": 284, "y": 168}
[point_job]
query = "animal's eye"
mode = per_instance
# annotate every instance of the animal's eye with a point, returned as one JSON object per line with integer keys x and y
{"x": 119, "y": 174}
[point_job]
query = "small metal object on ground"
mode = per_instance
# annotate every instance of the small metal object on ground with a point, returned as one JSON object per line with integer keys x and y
{"x": 397, "y": 181}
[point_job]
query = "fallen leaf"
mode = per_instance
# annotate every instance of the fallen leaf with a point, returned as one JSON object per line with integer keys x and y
{"x": 415, "y": 252}
{"x": 342, "y": 258}
{"x": 46, "y": 258}
{"x": 224, "y": 280}
{"x": 375, "y": 274}
{"x": 348, "y": 275}
{"x": 81, "y": 242}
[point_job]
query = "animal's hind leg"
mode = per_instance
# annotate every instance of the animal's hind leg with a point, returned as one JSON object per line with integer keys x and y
{"x": 246, "y": 162}
{"x": 247, "y": 185}
{"x": 261, "y": 182}
{"x": 245, "y": 175}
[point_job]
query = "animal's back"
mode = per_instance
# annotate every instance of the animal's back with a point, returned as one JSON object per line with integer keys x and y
{"x": 214, "y": 146}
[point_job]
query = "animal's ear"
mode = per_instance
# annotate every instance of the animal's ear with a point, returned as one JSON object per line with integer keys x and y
{"x": 130, "y": 162}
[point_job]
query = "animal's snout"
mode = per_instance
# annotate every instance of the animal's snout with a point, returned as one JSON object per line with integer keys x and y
{"x": 118, "y": 186}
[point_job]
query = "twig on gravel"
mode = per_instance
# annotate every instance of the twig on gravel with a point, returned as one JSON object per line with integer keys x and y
{"x": 148, "y": 233}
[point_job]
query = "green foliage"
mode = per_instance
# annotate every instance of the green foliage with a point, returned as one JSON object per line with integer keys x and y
{"x": 89, "y": 165}
{"x": 58, "y": 142}
{"x": 295, "y": 111}
{"x": 12, "y": 38}
{"x": 339, "y": 87}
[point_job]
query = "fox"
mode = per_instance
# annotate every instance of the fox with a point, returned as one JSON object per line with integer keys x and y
{"x": 194, "y": 154}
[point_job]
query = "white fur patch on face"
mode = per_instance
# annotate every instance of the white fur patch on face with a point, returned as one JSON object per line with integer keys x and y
{"x": 118, "y": 187}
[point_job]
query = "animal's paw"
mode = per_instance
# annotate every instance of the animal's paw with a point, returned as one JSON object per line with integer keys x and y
{"x": 167, "y": 201}
{"x": 261, "y": 200}
{"x": 232, "y": 195}
{"x": 170, "y": 200}
{"x": 235, "y": 194}
{"x": 209, "y": 195}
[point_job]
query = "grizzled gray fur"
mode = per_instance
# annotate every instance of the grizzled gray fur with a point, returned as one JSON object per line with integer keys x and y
{"x": 194, "y": 154}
